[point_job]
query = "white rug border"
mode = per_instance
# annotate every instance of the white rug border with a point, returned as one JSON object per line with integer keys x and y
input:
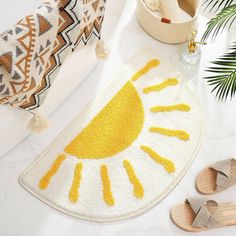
{"x": 131, "y": 214}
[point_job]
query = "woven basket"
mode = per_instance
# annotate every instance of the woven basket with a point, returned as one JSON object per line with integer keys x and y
{"x": 169, "y": 31}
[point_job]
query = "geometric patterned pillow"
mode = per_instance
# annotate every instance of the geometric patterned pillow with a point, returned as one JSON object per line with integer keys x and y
{"x": 32, "y": 51}
{"x": 92, "y": 20}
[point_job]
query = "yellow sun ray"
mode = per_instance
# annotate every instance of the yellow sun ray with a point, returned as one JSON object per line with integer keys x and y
{"x": 177, "y": 107}
{"x": 166, "y": 163}
{"x": 138, "y": 188}
{"x": 161, "y": 86}
{"x": 107, "y": 193}
{"x": 181, "y": 134}
{"x": 44, "y": 182}
{"x": 150, "y": 65}
{"x": 74, "y": 190}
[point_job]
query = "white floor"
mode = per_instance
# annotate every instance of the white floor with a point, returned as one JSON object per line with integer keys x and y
{"x": 23, "y": 215}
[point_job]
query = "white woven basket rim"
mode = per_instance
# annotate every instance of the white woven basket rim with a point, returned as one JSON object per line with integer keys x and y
{"x": 150, "y": 12}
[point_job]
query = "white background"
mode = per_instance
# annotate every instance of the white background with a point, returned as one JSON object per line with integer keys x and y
{"x": 23, "y": 215}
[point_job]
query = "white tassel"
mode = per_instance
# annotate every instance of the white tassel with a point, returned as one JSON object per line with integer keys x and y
{"x": 153, "y": 5}
{"x": 102, "y": 50}
{"x": 38, "y": 124}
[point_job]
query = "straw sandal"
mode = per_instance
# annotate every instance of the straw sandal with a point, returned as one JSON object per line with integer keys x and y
{"x": 199, "y": 214}
{"x": 217, "y": 177}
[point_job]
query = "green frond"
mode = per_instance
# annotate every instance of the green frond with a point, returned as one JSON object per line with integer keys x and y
{"x": 223, "y": 78}
{"x": 215, "y": 5}
{"x": 221, "y": 21}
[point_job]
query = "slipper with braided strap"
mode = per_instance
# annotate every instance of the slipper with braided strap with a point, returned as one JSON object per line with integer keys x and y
{"x": 217, "y": 177}
{"x": 199, "y": 214}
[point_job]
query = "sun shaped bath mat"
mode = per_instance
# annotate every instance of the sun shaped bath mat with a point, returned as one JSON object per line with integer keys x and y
{"x": 126, "y": 150}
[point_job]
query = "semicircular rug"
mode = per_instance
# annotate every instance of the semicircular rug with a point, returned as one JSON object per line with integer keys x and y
{"x": 127, "y": 150}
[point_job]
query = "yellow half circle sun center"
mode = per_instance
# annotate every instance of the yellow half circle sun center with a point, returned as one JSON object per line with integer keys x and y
{"x": 114, "y": 129}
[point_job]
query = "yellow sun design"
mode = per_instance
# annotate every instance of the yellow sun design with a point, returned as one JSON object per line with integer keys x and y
{"x": 113, "y": 130}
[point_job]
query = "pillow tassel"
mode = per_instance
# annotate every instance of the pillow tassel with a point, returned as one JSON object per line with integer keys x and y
{"x": 102, "y": 50}
{"x": 38, "y": 123}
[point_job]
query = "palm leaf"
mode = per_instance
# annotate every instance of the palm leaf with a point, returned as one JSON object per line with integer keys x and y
{"x": 216, "y": 4}
{"x": 223, "y": 78}
{"x": 222, "y": 20}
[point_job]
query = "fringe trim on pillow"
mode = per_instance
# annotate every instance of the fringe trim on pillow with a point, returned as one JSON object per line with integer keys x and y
{"x": 38, "y": 123}
{"x": 102, "y": 50}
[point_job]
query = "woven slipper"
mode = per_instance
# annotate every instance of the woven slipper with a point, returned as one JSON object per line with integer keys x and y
{"x": 199, "y": 214}
{"x": 217, "y": 177}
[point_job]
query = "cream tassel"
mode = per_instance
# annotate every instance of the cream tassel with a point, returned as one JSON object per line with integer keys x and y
{"x": 102, "y": 50}
{"x": 38, "y": 124}
{"x": 153, "y": 5}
